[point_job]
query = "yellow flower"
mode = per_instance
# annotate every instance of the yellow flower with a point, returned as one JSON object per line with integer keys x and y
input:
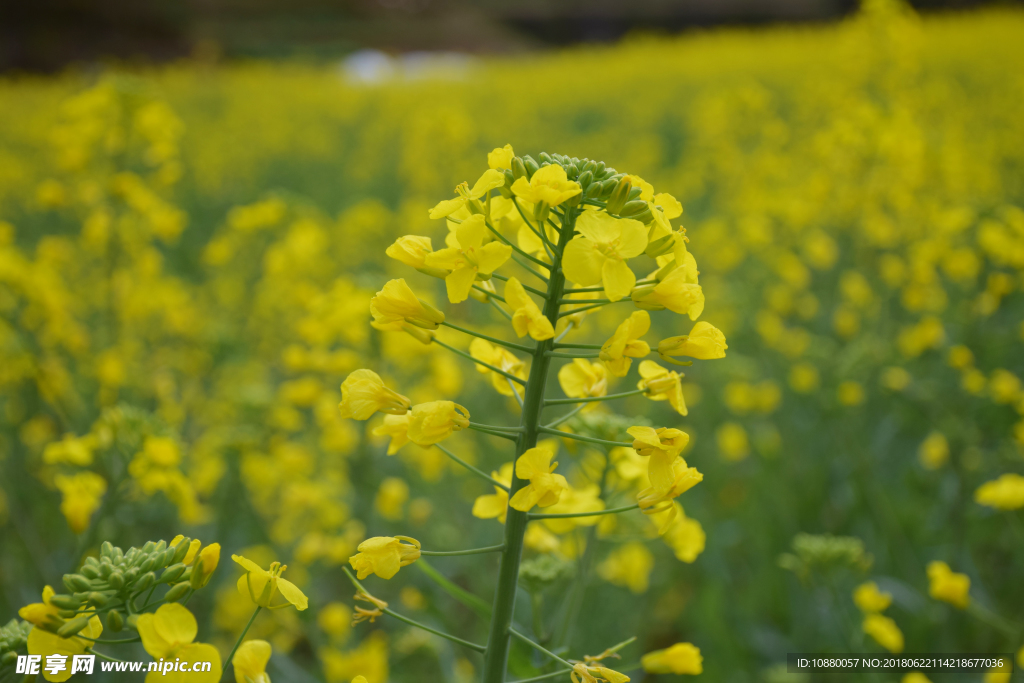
{"x": 205, "y": 564}
{"x": 435, "y": 421}
{"x": 600, "y": 252}
{"x": 662, "y": 385}
{"x": 934, "y": 451}
{"x": 686, "y": 537}
{"x": 915, "y": 677}
{"x": 628, "y": 565}
{"x": 1004, "y": 493}
{"x": 384, "y": 556}
{"x": 391, "y": 498}
{"x": 501, "y": 157}
{"x": 946, "y": 585}
{"x": 549, "y": 185}
{"x": 663, "y": 445}
{"x": 412, "y": 250}
{"x": 71, "y": 450}
{"x": 732, "y": 440}
{"x": 681, "y": 658}
{"x": 705, "y": 342}
{"x": 575, "y": 500}
{"x": 885, "y": 632}
{"x": 581, "y": 378}
{"x": 359, "y": 679}
{"x": 396, "y": 304}
{"x": 526, "y": 316}
{"x": 168, "y": 634}
{"x": 495, "y": 505}
{"x": 584, "y": 673}
{"x": 469, "y": 259}
{"x": 42, "y": 642}
{"x": 491, "y": 179}
{"x": 501, "y": 358}
{"x": 850, "y": 393}
{"x": 869, "y": 599}
{"x": 81, "y": 495}
{"x": 363, "y": 393}
{"x": 43, "y": 614}
{"x": 334, "y": 620}
{"x": 684, "y": 478}
{"x": 397, "y": 427}
{"x": 250, "y": 662}
{"x": 625, "y": 344}
{"x": 545, "y": 487}
{"x": 675, "y": 292}
{"x": 262, "y": 585}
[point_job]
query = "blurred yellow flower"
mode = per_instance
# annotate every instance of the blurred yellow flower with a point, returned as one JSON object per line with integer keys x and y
{"x": 850, "y": 393}
{"x": 1004, "y": 493}
{"x": 733, "y": 443}
{"x": 397, "y": 427}
{"x": 869, "y": 599}
{"x": 81, "y": 495}
{"x": 803, "y": 378}
{"x": 501, "y": 358}
{"x": 333, "y": 619}
{"x": 582, "y": 378}
{"x": 681, "y": 658}
{"x": 391, "y": 498}
{"x": 885, "y": 632}
{"x": 625, "y": 345}
{"x": 363, "y": 393}
{"x": 946, "y": 585}
{"x": 384, "y": 556}
{"x": 933, "y": 451}
{"x": 628, "y": 565}
{"x": 43, "y": 614}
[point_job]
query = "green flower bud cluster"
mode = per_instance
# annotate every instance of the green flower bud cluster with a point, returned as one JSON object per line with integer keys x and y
{"x": 113, "y": 581}
{"x": 542, "y": 571}
{"x": 825, "y": 553}
{"x": 607, "y": 426}
{"x": 13, "y": 636}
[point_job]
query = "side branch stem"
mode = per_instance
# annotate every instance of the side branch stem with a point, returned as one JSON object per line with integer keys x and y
{"x": 500, "y": 342}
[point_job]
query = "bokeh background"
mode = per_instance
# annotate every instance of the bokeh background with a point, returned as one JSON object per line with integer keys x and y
{"x": 195, "y": 199}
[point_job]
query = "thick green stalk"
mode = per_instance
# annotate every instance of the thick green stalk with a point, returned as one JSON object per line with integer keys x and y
{"x": 496, "y": 657}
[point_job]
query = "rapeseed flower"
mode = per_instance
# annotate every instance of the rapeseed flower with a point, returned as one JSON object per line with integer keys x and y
{"x": 675, "y": 292}
{"x": 582, "y": 378}
{"x": 549, "y": 186}
{"x": 395, "y": 304}
{"x": 599, "y": 253}
{"x": 869, "y": 599}
{"x": 495, "y": 505}
{"x": 470, "y": 259}
{"x": 681, "y": 658}
{"x": 885, "y": 632}
{"x": 261, "y": 585}
{"x": 1004, "y": 493}
{"x": 526, "y": 315}
{"x": 949, "y": 586}
{"x": 384, "y": 556}
{"x": 629, "y": 565}
{"x": 705, "y": 342}
{"x": 663, "y": 445}
{"x": 363, "y": 393}
{"x": 81, "y": 495}
{"x": 168, "y": 634}
{"x": 584, "y": 673}
{"x": 396, "y": 427}
{"x": 501, "y": 358}
{"x": 469, "y": 197}
{"x": 625, "y": 345}
{"x": 250, "y": 662}
{"x": 435, "y": 421}
{"x": 661, "y": 384}
{"x": 545, "y": 487}
{"x": 43, "y": 642}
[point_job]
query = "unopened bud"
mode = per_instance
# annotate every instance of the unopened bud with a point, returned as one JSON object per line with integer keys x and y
{"x": 531, "y": 166}
{"x": 116, "y": 580}
{"x": 72, "y": 627}
{"x": 177, "y": 592}
{"x": 518, "y": 168}
{"x": 65, "y": 601}
{"x": 115, "y": 622}
{"x": 172, "y": 573}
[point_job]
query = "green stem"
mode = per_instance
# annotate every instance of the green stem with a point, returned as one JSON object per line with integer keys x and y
{"x": 491, "y": 295}
{"x": 496, "y": 428}
{"x": 531, "y": 270}
{"x": 465, "y": 597}
{"x": 586, "y": 439}
{"x": 583, "y": 290}
{"x": 241, "y": 636}
{"x": 515, "y": 247}
{"x": 539, "y": 648}
{"x": 496, "y": 657}
{"x": 500, "y": 342}
{"x": 411, "y": 622}
{"x": 574, "y": 302}
{"x": 591, "y": 399}
{"x": 539, "y": 233}
{"x": 571, "y": 413}
{"x": 505, "y": 314}
{"x": 502, "y": 435}
{"x": 490, "y": 367}
{"x": 473, "y": 551}
{"x": 108, "y": 642}
{"x": 564, "y": 515}
{"x": 103, "y": 656}
{"x": 556, "y": 354}
{"x": 479, "y": 473}
{"x": 591, "y": 307}
{"x": 545, "y": 677}
{"x": 579, "y": 346}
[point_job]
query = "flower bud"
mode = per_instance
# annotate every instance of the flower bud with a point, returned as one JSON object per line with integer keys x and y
{"x": 618, "y": 197}
{"x": 506, "y": 189}
{"x": 89, "y": 571}
{"x": 419, "y": 334}
{"x": 585, "y": 179}
{"x": 177, "y": 592}
{"x": 518, "y": 168}
{"x": 633, "y": 208}
{"x": 531, "y": 166}
{"x": 181, "y": 545}
{"x": 72, "y": 627}
{"x": 145, "y": 581}
{"x": 205, "y": 564}
{"x": 107, "y": 549}
{"x": 97, "y": 599}
{"x": 116, "y": 580}
{"x": 634, "y": 194}
{"x": 65, "y": 602}
{"x": 115, "y": 622}
{"x": 9, "y": 658}
{"x": 660, "y": 246}
{"x": 77, "y": 582}
{"x": 172, "y": 573}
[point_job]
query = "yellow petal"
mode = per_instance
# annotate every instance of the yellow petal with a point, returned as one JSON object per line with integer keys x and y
{"x": 175, "y": 624}
{"x": 582, "y": 262}
{"x": 251, "y": 659}
{"x": 618, "y": 279}
{"x": 292, "y": 594}
{"x": 459, "y": 282}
